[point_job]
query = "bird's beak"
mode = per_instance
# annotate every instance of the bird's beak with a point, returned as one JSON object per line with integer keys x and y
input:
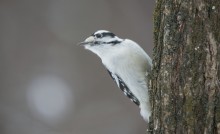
{"x": 89, "y": 40}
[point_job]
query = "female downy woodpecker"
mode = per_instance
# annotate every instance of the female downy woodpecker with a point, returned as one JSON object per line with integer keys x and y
{"x": 127, "y": 63}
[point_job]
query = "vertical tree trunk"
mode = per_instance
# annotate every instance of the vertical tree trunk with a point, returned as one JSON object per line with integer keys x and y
{"x": 185, "y": 85}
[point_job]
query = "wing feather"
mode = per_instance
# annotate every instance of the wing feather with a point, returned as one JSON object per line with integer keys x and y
{"x": 121, "y": 84}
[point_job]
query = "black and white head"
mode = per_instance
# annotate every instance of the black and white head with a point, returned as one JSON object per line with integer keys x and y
{"x": 101, "y": 42}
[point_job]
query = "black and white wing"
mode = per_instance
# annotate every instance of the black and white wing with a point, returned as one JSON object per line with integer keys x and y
{"x": 124, "y": 88}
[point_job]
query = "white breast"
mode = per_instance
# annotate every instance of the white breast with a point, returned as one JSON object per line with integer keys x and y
{"x": 130, "y": 63}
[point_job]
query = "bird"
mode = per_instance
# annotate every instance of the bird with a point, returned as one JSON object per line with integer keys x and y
{"x": 127, "y": 63}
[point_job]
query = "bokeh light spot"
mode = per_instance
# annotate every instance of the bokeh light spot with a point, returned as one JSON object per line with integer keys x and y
{"x": 49, "y": 98}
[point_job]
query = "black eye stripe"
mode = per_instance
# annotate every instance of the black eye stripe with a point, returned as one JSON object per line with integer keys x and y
{"x": 101, "y": 35}
{"x": 111, "y": 42}
{"x": 98, "y": 35}
{"x": 108, "y": 34}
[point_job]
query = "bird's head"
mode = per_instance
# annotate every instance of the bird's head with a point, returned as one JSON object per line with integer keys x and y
{"x": 101, "y": 42}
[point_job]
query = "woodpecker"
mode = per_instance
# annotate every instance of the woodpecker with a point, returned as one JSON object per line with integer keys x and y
{"x": 127, "y": 63}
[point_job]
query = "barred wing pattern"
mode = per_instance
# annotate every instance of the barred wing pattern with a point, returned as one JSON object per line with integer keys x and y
{"x": 124, "y": 88}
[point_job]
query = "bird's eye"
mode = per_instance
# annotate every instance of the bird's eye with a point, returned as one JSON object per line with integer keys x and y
{"x": 98, "y": 35}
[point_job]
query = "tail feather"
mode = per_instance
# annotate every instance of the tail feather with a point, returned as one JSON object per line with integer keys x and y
{"x": 145, "y": 111}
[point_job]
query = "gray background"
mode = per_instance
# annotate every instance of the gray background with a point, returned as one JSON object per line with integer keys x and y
{"x": 51, "y": 86}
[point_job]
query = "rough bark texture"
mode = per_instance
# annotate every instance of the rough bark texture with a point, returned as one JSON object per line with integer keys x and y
{"x": 185, "y": 85}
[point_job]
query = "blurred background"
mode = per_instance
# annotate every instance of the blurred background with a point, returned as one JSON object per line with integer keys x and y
{"x": 51, "y": 86}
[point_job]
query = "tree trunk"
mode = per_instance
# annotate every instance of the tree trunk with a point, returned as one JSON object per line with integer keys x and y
{"x": 185, "y": 85}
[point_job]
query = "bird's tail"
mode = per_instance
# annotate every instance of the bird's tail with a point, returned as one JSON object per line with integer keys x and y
{"x": 145, "y": 111}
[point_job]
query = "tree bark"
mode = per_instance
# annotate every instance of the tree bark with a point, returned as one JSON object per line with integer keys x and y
{"x": 184, "y": 84}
